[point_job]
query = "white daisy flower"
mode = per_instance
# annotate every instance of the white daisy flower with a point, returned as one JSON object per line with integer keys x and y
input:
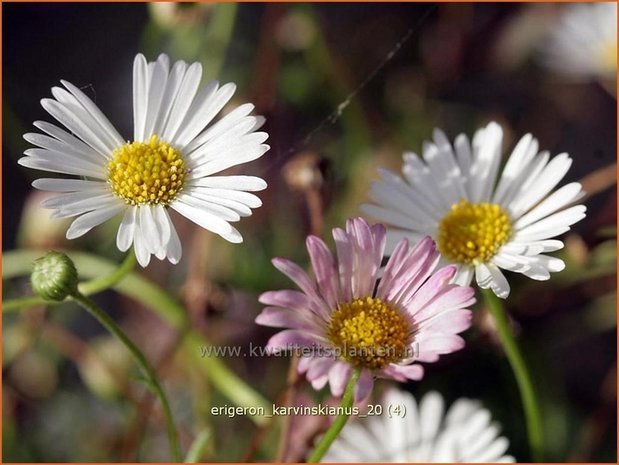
{"x": 584, "y": 42}
{"x": 170, "y": 162}
{"x": 422, "y": 433}
{"x": 481, "y": 225}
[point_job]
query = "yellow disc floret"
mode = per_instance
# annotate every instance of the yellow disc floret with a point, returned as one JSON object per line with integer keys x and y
{"x": 369, "y": 333}
{"x": 150, "y": 172}
{"x": 472, "y": 233}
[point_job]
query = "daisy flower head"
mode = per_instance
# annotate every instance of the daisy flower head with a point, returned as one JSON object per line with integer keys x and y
{"x": 347, "y": 318}
{"x": 479, "y": 224}
{"x": 171, "y": 162}
{"x": 423, "y": 432}
{"x": 583, "y": 44}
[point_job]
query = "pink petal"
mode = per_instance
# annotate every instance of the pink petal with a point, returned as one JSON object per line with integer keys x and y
{"x": 366, "y": 260}
{"x": 296, "y": 274}
{"x": 431, "y": 287}
{"x": 413, "y": 270}
{"x": 318, "y": 371}
{"x": 319, "y": 382}
{"x": 440, "y": 344}
{"x": 392, "y": 268}
{"x": 294, "y": 300}
{"x": 451, "y": 297}
{"x": 427, "y": 357}
{"x": 339, "y": 374}
{"x": 403, "y": 373}
{"x": 345, "y": 262}
{"x": 283, "y": 318}
{"x": 324, "y": 268}
{"x": 450, "y": 322}
{"x": 364, "y": 385}
{"x": 290, "y": 339}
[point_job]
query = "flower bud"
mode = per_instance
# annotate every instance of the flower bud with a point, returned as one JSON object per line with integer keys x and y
{"x": 54, "y": 276}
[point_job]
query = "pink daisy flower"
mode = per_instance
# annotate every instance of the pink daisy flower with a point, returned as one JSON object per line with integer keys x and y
{"x": 351, "y": 316}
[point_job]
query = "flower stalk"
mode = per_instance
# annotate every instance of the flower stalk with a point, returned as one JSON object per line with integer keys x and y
{"x": 339, "y": 423}
{"x": 521, "y": 373}
{"x": 54, "y": 277}
{"x": 141, "y": 360}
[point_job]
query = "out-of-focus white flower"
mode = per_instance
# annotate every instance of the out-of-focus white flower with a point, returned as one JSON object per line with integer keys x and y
{"x": 422, "y": 433}
{"x": 584, "y": 42}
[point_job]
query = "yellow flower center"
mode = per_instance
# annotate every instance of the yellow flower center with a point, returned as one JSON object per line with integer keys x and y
{"x": 472, "y": 233}
{"x": 150, "y": 172}
{"x": 608, "y": 56}
{"x": 370, "y": 333}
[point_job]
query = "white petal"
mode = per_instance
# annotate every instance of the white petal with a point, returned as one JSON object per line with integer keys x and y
{"x": 488, "y": 275}
{"x": 532, "y": 247}
{"x": 156, "y": 90}
{"x": 98, "y": 116}
{"x": 69, "y": 150}
{"x": 67, "y": 185}
{"x": 75, "y": 107}
{"x": 391, "y": 217}
{"x": 521, "y": 156}
{"x": 140, "y": 97}
{"x": 251, "y": 200}
{"x": 69, "y": 140}
{"x": 142, "y": 253}
{"x": 61, "y": 157}
{"x": 422, "y": 181}
{"x": 149, "y": 228}
{"x": 164, "y": 226}
{"x": 226, "y": 127}
{"x": 240, "y": 183}
{"x": 174, "y": 248}
{"x": 173, "y": 84}
{"x": 215, "y": 208}
{"x": 205, "y": 107}
{"x": 64, "y": 167}
{"x": 552, "y": 174}
{"x": 126, "y": 230}
{"x": 74, "y": 121}
{"x": 430, "y": 415}
{"x": 208, "y": 221}
{"x": 487, "y": 155}
{"x": 233, "y": 156}
{"x": 183, "y": 100}
{"x": 87, "y": 221}
{"x": 78, "y": 202}
{"x": 559, "y": 199}
{"x": 552, "y": 225}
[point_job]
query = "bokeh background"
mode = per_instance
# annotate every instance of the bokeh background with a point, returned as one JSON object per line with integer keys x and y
{"x": 71, "y": 393}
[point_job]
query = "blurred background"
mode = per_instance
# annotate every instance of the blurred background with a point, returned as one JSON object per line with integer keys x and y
{"x": 345, "y": 88}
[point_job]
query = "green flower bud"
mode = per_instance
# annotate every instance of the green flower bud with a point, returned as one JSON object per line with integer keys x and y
{"x": 54, "y": 276}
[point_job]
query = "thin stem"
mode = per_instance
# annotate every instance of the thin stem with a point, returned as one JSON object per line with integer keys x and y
{"x": 19, "y": 263}
{"x": 113, "y": 328}
{"x": 198, "y": 447}
{"x": 521, "y": 373}
{"x": 105, "y": 282}
{"x": 337, "y": 426}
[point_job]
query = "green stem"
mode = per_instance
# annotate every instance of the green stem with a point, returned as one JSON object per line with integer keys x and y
{"x": 105, "y": 282}
{"x": 135, "y": 286}
{"x": 198, "y": 447}
{"x": 521, "y": 373}
{"x": 337, "y": 426}
{"x": 113, "y": 328}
